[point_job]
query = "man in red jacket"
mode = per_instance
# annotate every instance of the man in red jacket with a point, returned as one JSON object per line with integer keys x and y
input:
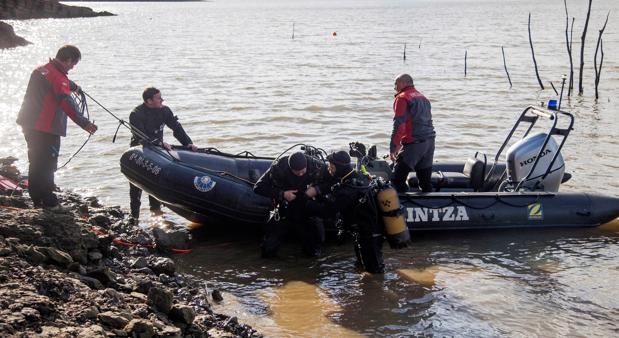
{"x": 412, "y": 139}
{"x": 43, "y": 118}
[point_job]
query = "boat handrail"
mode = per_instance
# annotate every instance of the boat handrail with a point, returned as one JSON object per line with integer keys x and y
{"x": 542, "y": 113}
{"x": 564, "y": 132}
{"x": 530, "y": 115}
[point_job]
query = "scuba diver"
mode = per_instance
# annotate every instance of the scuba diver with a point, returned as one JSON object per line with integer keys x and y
{"x": 352, "y": 197}
{"x": 369, "y": 209}
{"x": 292, "y": 183}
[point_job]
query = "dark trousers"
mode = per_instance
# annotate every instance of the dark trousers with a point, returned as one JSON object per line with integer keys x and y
{"x": 43, "y": 149}
{"x": 308, "y": 228}
{"x": 418, "y": 157}
{"x": 135, "y": 196}
{"x": 400, "y": 173}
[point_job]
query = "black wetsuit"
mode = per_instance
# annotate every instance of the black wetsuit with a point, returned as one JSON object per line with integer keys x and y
{"x": 151, "y": 122}
{"x": 295, "y": 214}
{"x": 355, "y": 200}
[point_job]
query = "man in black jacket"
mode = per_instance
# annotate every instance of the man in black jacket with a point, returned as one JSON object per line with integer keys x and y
{"x": 150, "y": 118}
{"x": 293, "y": 182}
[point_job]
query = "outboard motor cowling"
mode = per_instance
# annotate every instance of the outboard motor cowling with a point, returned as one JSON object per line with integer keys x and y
{"x": 522, "y": 156}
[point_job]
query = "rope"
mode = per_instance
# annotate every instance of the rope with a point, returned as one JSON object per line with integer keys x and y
{"x": 313, "y": 151}
{"x": 83, "y": 107}
{"x": 454, "y": 199}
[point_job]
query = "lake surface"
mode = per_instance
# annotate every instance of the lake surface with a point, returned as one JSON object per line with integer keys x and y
{"x": 238, "y": 81}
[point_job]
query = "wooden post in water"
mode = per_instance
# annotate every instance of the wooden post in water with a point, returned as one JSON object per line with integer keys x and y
{"x": 404, "y": 56}
{"x": 582, "y": 50}
{"x": 553, "y": 88}
{"x": 420, "y": 42}
{"x": 533, "y": 54}
{"x": 505, "y": 66}
{"x": 568, "y": 43}
{"x": 292, "y": 31}
{"x": 600, "y": 46}
{"x": 465, "y": 55}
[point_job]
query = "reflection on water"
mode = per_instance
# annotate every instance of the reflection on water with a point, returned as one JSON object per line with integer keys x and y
{"x": 302, "y": 309}
{"x": 482, "y": 284}
{"x": 422, "y": 276}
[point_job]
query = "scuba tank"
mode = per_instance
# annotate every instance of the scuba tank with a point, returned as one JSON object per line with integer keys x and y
{"x": 395, "y": 226}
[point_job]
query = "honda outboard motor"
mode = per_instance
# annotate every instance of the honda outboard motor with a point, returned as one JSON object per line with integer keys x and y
{"x": 521, "y": 157}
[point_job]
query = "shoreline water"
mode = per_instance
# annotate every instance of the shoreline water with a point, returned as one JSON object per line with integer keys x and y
{"x": 84, "y": 271}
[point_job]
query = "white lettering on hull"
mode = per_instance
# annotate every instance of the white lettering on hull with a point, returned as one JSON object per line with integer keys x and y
{"x": 446, "y": 214}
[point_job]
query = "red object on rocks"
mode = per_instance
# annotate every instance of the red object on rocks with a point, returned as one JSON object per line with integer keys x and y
{"x": 7, "y": 185}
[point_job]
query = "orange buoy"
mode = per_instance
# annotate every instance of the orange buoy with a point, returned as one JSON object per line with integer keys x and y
{"x": 334, "y": 33}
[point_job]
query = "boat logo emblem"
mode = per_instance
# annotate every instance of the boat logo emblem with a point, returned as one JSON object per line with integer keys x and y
{"x": 204, "y": 183}
{"x": 535, "y": 211}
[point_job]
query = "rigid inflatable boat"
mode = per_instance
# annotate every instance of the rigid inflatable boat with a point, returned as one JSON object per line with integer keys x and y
{"x": 515, "y": 189}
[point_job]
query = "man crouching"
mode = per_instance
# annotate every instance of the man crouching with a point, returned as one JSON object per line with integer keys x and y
{"x": 292, "y": 182}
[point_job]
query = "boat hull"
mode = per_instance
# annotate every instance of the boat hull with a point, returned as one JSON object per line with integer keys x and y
{"x": 492, "y": 210}
{"x": 211, "y": 187}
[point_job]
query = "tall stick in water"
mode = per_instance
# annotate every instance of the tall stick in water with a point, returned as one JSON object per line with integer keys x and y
{"x": 533, "y": 54}
{"x": 553, "y": 88}
{"x": 568, "y": 43}
{"x": 600, "y": 46}
{"x": 292, "y": 31}
{"x": 505, "y": 66}
{"x": 404, "y": 56}
{"x": 465, "y": 55}
{"x": 582, "y": 50}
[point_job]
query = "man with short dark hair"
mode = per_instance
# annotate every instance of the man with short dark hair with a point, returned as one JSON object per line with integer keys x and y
{"x": 292, "y": 182}
{"x": 43, "y": 118}
{"x": 412, "y": 138}
{"x": 150, "y": 118}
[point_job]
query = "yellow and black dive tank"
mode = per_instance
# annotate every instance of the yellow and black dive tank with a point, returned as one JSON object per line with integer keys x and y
{"x": 393, "y": 217}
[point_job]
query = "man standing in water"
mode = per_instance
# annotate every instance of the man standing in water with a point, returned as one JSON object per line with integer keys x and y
{"x": 354, "y": 199}
{"x": 412, "y": 138}
{"x": 43, "y": 118}
{"x": 150, "y": 117}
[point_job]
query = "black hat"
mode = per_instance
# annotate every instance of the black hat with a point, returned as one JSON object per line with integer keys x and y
{"x": 297, "y": 161}
{"x": 340, "y": 158}
{"x": 341, "y": 161}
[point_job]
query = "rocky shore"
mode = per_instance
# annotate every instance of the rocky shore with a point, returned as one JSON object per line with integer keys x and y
{"x": 83, "y": 270}
{"x": 36, "y": 9}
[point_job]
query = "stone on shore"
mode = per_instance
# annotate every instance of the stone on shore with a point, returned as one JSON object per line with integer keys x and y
{"x": 140, "y": 328}
{"x": 8, "y": 38}
{"x": 163, "y": 265}
{"x": 160, "y": 298}
{"x": 170, "y": 239}
{"x": 183, "y": 313}
{"x": 112, "y": 319}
